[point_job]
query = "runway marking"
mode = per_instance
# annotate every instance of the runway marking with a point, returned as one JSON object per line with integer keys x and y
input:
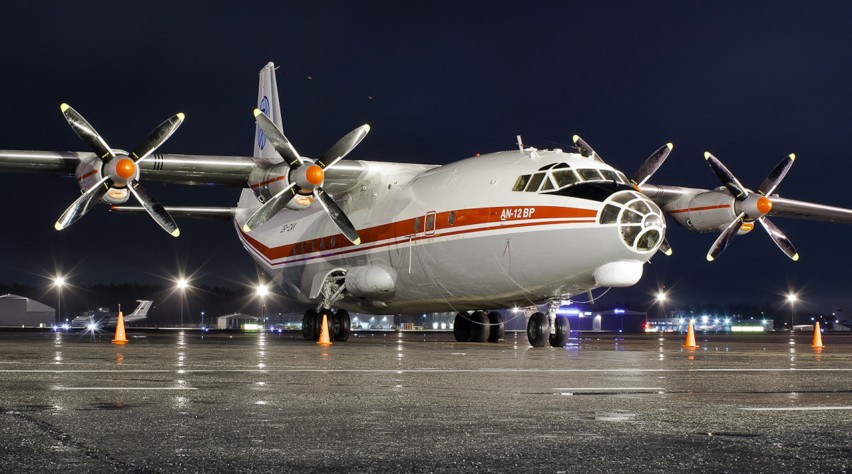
{"x": 397, "y": 371}
{"x": 610, "y": 389}
{"x": 796, "y": 408}
{"x": 124, "y": 388}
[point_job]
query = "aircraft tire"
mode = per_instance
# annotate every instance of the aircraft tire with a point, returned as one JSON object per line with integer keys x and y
{"x": 479, "y": 327}
{"x": 309, "y": 323}
{"x": 563, "y": 328}
{"x": 344, "y": 325}
{"x": 461, "y": 327}
{"x": 538, "y": 330}
{"x": 498, "y": 329}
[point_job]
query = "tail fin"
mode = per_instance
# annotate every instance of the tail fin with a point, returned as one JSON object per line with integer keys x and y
{"x": 141, "y": 311}
{"x": 267, "y": 102}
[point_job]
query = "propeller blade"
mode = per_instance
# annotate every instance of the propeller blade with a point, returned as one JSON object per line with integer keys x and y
{"x": 772, "y": 181}
{"x": 585, "y": 149}
{"x": 82, "y": 205}
{"x": 155, "y": 209}
{"x": 270, "y": 208}
{"x": 86, "y": 132}
{"x": 337, "y": 216}
{"x": 737, "y": 190}
{"x": 779, "y": 238}
{"x": 666, "y": 248}
{"x": 651, "y": 165}
{"x": 278, "y": 140}
{"x": 725, "y": 238}
{"x": 157, "y": 137}
{"x": 343, "y": 147}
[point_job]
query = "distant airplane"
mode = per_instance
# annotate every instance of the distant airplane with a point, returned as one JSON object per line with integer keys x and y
{"x": 102, "y": 317}
{"x": 509, "y": 229}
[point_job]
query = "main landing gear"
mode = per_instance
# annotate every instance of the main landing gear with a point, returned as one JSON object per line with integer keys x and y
{"x": 339, "y": 324}
{"x": 479, "y": 327}
{"x": 551, "y": 327}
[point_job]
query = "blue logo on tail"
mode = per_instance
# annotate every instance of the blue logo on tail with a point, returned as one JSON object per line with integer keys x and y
{"x": 261, "y": 137}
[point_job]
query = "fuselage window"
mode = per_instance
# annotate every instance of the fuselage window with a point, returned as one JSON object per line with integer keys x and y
{"x": 451, "y": 219}
{"x": 521, "y": 183}
{"x": 590, "y": 174}
{"x": 417, "y": 225}
{"x": 322, "y": 244}
{"x": 535, "y": 182}
{"x": 564, "y": 178}
{"x": 333, "y": 238}
{"x": 430, "y": 222}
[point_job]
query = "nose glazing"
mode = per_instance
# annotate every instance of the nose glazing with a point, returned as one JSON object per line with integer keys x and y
{"x": 639, "y": 221}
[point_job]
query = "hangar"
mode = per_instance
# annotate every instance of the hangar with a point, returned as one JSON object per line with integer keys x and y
{"x": 22, "y": 311}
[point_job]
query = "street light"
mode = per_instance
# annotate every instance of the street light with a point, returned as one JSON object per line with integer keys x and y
{"x": 792, "y": 298}
{"x": 59, "y": 282}
{"x": 262, "y": 290}
{"x": 182, "y": 284}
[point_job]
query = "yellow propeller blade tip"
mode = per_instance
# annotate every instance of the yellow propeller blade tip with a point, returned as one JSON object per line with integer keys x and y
{"x": 668, "y": 252}
{"x": 181, "y": 116}
{"x": 367, "y": 127}
{"x": 357, "y": 241}
{"x": 707, "y": 155}
{"x": 796, "y": 258}
{"x": 575, "y": 138}
{"x": 246, "y": 228}
{"x": 670, "y": 145}
{"x": 793, "y": 156}
{"x": 709, "y": 258}
{"x": 57, "y": 226}
{"x": 63, "y": 107}
{"x": 176, "y": 233}
{"x": 257, "y": 112}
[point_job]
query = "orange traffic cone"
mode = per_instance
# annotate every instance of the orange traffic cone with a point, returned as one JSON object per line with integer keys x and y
{"x": 120, "y": 338}
{"x": 817, "y": 337}
{"x": 690, "y": 338}
{"x": 324, "y": 340}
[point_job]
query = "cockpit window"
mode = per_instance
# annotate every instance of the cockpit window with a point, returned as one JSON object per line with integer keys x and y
{"x": 610, "y": 175}
{"x": 564, "y": 178}
{"x": 590, "y": 174}
{"x": 535, "y": 182}
{"x": 547, "y": 184}
{"x": 521, "y": 183}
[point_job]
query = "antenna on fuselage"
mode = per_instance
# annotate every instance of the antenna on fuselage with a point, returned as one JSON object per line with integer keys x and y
{"x": 520, "y": 145}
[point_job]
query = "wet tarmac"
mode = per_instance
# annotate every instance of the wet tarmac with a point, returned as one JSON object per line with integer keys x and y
{"x": 183, "y": 401}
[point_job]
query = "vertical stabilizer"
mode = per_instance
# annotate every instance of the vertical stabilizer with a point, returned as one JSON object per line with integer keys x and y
{"x": 267, "y": 102}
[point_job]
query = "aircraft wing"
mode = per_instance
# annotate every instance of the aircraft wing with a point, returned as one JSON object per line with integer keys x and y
{"x": 168, "y": 168}
{"x": 196, "y": 212}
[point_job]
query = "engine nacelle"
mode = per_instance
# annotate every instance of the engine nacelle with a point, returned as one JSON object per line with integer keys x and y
{"x": 710, "y": 211}
{"x": 268, "y": 182}
{"x": 89, "y": 173}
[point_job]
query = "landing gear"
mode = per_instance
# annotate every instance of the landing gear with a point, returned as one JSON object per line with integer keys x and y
{"x": 339, "y": 324}
{"x": 478, "y": 327}
{"x": 538, "y": 329}
{"x": 543, "y": 328}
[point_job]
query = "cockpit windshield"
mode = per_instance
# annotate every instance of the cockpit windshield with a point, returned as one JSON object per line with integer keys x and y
{"x": 561, "y": 175}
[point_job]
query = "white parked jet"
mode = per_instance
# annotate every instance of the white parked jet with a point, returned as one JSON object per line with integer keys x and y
{"x": 508, "y": 229}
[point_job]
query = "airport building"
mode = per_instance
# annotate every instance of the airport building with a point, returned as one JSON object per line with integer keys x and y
{"x": 20, "y": 311}
{"x": 238, "y": 321}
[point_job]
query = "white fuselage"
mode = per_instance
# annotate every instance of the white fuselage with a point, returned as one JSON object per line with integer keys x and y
{"x": 452, "y": 238}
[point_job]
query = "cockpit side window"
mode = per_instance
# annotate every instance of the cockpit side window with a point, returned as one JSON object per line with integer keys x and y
{"x": 611, "y": 175}
{"x": 547, "y": 184}
{"x": 535, "y": 182}
{"x": 521, "y": 183}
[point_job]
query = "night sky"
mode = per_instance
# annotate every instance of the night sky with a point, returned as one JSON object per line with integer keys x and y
{"x": 438, "y": 82}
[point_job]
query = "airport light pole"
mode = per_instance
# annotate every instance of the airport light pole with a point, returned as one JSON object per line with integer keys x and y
{"x": 182, "y": 284}
{"x": 661, "y": 300}
{"x": 58, "y": 282}
{"x": 261, "y": 291}
{"x": 792, "y": 298}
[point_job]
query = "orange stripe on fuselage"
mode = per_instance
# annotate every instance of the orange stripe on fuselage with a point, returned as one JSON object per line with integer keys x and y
{"x": 395, "y": 232}
{"x": 705, "y": 208}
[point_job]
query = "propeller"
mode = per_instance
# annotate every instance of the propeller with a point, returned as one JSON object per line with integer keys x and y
{"x": 118, "y": 171}
{"x": 751, "y": 206}
{"x": 641, "y": 176}
{"x": 306, "y": 178}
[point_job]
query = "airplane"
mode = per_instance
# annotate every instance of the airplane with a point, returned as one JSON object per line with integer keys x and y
{"x": 103, "y": 318}
{"x": 512, "y": 229}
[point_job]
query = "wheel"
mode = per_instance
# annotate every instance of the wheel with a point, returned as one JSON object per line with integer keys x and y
{"x": 329, "y": 317}
{"x": 538, "y": 330}
{"x": 563, "y": 327}
{"x": 479, "y": 327}
{"x": 498, "y": 329}
{"x": 309, "y": 322}
{"x": 461, "y": 327}
{"x": 343, "y": 324}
